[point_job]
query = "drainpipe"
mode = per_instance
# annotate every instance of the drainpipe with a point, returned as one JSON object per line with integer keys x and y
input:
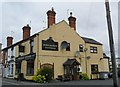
{"x": 85, "y": 58}
{"x": 37, "y": 49}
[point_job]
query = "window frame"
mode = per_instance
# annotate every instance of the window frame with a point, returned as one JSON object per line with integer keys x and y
{"x": 12, "y": 54}
{"x": 30, "y": 67}
{"x": 31, "y": 46}
{"x": 95, "y": 71}
{"x": 68, "y": 48}
{"x": 80, "y": 47}
{"x": 17, "y": 67}
{"x": 93, "y": 49}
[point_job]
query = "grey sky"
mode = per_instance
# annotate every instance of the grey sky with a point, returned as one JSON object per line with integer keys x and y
{"x": 91, "y": 19}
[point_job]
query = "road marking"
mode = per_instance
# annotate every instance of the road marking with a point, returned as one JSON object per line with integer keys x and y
{"x": 11, "y": 83}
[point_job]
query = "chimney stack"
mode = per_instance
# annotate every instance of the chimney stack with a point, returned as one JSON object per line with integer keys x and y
{"x": 9, "y": 41}
{"x": 26, "y": 31}
{"x": 72, "y": 21}
{"x": 51, "y": 17}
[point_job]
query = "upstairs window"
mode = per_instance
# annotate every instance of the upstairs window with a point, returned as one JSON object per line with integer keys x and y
{"x": 21, "y": 48}
{"x": 31, "y": 46}
{"x": 93, "y": 49}
{"x": 12, "y": 55}
{"x": 68, "y": 48}
{"x": 81, "y": 48}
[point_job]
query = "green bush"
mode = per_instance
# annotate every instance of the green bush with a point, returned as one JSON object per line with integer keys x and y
{"x": 43, "y": 75}
{"x": 47, "y": 72}
{"x": 39, "y": 79}
{"x": 84, "y": 76}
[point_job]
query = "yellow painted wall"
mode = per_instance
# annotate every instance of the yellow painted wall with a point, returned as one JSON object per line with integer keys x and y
{"x": 104, "y": 65}
{"x": 62, "y": 32}
{"x": 94, "y": 57}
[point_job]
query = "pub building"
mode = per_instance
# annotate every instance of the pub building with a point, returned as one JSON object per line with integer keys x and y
{"x": 60, "y": 47}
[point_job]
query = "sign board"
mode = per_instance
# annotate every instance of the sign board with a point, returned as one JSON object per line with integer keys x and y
{"x": 49, "y": 44}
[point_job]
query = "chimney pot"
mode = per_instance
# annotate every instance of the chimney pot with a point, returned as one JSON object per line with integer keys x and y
{"x": 26, "y": 31}
{"x": 9, "y": 41}
{"x": 72, "y": 21}
{"x": 51, "y": 17}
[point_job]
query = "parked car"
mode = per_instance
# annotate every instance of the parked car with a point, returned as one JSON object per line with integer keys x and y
{"x": 118, "y": 73}
{"x": 110, "y": 74}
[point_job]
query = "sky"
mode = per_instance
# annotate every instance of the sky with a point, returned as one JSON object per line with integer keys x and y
{"x": 91, "y": 18}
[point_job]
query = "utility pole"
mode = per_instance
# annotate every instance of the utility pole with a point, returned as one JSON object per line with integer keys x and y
{"x": 111, "y": 43}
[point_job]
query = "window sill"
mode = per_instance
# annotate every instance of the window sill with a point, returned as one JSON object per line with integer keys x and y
{"x": 29, "y": 74}
{"x": 94, "y": 52}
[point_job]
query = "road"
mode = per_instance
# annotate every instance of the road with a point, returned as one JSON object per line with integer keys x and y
{"x": 89, "y": 83}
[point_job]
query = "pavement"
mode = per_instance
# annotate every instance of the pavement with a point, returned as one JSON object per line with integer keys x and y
{"x": 80, "y": 83}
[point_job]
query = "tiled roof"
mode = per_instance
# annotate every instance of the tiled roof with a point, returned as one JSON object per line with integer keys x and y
{"x": 71, "y": 61}
{"x": 92, "y": 41}
{"x": 105, "y": 56}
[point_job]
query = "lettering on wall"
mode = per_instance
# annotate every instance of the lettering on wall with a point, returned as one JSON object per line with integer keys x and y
{"x": 49, "y": 44}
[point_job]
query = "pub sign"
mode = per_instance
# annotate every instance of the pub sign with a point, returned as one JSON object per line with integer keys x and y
{"x": 49, "y": 44}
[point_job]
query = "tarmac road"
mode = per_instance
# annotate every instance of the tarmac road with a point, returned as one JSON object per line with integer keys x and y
{"x": 81, "y": 83}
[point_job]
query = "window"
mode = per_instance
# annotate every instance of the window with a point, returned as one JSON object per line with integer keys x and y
{"x": 18, "y": 67}
{"x": 81, "y": 48}
{"x": 12, "y": 56}
{"x": 11, "y": 68}
{"x": 68, "y": 48}
{"x": 30, "y": 67}
{"x": 21, "y": 48}
{"x": 93, "y": 49}
{"x": 31, "y": 46}
{"x": 94, "y": 69}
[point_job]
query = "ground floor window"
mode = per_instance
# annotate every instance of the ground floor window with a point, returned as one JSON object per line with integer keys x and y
{"x": 11, "y": 68}
{"x": 30, "y": 67}
{"x": 18, "y": 67}
{"x": 94, "y": 69}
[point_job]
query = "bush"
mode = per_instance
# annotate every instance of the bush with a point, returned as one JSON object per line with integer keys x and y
{"x": 84, "y": 76}
{"x": 47, "y": 72}
{"x": 39, "y": 79}
{"x": 43, "y": 75}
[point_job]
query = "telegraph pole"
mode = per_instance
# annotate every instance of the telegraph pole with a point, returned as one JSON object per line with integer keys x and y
{"x": 111, "y": 43}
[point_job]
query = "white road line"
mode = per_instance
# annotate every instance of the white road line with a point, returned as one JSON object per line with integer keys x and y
{"x": 11, "y": 83}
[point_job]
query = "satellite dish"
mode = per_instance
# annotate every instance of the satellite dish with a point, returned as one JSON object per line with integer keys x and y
{"x": 85, "y": 49}
{"x": 64, "y": 45}
{"x": 77, "y": 54}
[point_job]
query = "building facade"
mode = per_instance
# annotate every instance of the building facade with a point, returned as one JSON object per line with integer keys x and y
{"x": 60, "y": 47}
{"x": 8, "y": 59}
{"x": 0, "y": 60}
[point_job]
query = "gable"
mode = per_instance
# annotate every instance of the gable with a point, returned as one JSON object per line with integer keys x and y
{"x": 61, "y": 31}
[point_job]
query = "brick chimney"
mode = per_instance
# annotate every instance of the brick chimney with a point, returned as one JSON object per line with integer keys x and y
{"x": 72, "y": 21}
{"x": 26, "y": 31}
{"x": 9, "y": 41}
{"x": 51, "y": 17}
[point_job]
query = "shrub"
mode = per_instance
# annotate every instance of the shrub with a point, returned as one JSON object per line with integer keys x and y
{"x": 47, "y": 72}
{"x": 39, "y": 78}
{"x": 84, "y": 76}
{"x": 43, "y": 75}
